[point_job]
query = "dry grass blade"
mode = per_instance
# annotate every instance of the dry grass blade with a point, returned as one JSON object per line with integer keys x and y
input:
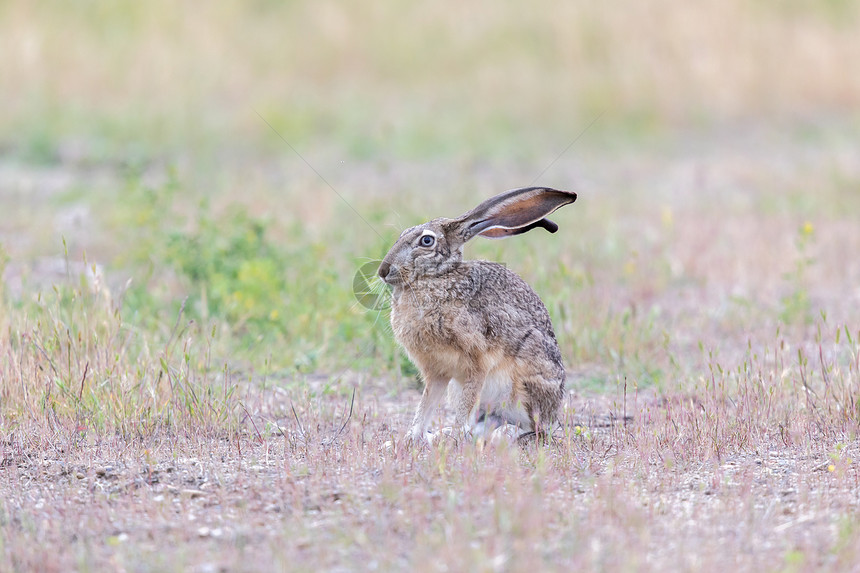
{"x": 333, "y": 439}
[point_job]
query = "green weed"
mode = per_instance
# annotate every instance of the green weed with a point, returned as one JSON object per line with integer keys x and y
{"x": 795, "y": 306}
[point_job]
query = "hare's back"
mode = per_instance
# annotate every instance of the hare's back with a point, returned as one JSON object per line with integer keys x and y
{"x": 505, "y": 298}
{"x": 513, "y": 315}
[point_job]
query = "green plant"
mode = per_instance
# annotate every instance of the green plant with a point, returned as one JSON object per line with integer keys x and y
{"x": 255, "y": 282}
{"x": 795, "y": 306}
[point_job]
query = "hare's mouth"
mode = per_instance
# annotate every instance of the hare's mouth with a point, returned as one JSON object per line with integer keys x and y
{"x": 389, "y": 273}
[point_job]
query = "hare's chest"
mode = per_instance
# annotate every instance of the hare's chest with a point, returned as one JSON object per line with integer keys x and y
{"x": 431, "y": 334}
{"x": 418, "y": 326}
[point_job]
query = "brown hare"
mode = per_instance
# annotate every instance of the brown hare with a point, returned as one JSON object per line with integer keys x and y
{"x": 474, "y": 328}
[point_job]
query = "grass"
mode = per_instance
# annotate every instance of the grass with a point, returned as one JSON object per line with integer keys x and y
{"x": 187, "y": 381}
{"x": 742, "y": 471}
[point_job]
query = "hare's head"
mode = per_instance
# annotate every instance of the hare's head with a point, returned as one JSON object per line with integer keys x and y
{"x": 436, "y": 247}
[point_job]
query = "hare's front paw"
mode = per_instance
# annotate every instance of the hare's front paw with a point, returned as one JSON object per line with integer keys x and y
{"x": 415, "y": 438}
{"x": 507, "y": 433}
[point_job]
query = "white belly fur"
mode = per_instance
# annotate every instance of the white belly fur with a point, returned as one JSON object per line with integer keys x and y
{"x": 496, "y": 397}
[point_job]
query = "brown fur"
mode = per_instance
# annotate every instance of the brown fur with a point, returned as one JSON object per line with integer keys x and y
{"x": 475, "y": 325}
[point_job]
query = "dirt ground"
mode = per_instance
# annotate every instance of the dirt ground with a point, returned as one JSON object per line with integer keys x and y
{"x": 337, "y": 492}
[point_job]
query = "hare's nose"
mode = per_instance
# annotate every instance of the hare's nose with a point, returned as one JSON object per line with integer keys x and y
{"x": 384, "y": 269}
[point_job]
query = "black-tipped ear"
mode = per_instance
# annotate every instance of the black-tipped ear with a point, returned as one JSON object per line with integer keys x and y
{"x": 501, "y": 232}
{"x": 513, "y": 212}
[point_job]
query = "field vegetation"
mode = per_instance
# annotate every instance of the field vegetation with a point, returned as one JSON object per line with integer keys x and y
{"x": 189, "y": 383}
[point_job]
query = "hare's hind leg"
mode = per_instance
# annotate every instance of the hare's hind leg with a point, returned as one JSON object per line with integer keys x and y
{"x": 542, "y": 406}
{"x": 434, "y": 390}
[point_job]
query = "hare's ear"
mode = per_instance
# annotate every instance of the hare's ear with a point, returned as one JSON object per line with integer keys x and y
{"x": 511, "y": 213}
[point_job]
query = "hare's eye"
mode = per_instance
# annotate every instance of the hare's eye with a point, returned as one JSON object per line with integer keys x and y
{"x": 427, "y": 241}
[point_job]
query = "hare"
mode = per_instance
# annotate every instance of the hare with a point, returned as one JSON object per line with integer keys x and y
{"x": 474, "y": 327}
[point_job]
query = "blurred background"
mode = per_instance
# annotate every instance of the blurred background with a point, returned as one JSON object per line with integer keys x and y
{"x": 234, "y": 163}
